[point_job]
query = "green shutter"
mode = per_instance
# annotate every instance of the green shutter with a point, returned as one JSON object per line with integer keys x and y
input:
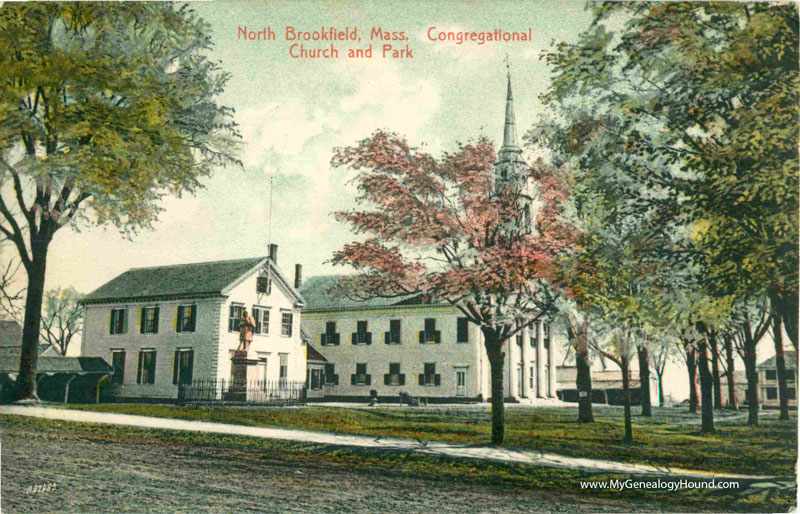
{"x": 111, "y": 321}
{"x": 155, "y": 321}
{"x": 179, "y": 321}
{"x": 139, "y": 368}
{"x": 125, "y": 315}
{"x": 175, "y": 366}
{"x": 193, "y": 317}
{"x": 141, "y": 320}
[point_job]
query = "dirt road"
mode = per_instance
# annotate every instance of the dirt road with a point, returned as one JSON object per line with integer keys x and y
{"x": 91, "y": 475}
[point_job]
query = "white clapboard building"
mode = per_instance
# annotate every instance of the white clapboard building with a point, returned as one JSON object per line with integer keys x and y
{"x": 166, "y": 325}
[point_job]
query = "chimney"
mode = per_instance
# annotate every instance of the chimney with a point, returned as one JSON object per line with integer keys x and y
{"x": 298, "y": 276}
{"x": 273, "y": 253}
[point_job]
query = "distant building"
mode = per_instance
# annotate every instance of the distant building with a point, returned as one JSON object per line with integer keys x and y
{"x": 58, "y": 378}
{"x": 606, "y": 386}
{"x": 167, "y": 325}
{"x": 768, "y": 380}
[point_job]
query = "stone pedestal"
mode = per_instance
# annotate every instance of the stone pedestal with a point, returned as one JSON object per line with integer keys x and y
{"x": 244, "y": 371}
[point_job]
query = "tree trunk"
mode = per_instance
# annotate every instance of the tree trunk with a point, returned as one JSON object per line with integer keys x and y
{"x": 714, "y": 348}
{"x": 786, "y": 305}
{"x": 780, "y": 364}
{"x": 626, "y": 394}
{"x": 659, "y": 377}
{"x": 644, "y": 380}
{"x": 29, "y": 356}
{"x": 752, "y": 375}
{"x": 691, "y": 366}
{"x": 733, "y": 403}
{"x": 706, "y": 387}
{"x": 583, "y": 379}
{"x": 496, "y": 359}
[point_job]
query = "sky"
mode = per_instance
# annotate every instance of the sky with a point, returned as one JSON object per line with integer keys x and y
{"x": 294, "y": 112}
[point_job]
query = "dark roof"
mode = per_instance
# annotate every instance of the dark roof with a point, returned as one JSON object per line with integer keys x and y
{"x": 321, "y": 293}
{"x": 313, "y": 355}
{"x": 179, "y": 281}
{"x": 10, "y": 332}
{"x": 789, "y": 356}
{"x": 10, "y": 364}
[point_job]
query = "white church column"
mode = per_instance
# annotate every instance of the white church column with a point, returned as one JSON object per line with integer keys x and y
{"x": 551, "y": 362}
{"x": 540, "y": 358}
{"x": 526, "y": 336}
{"x": 513, "y": 359}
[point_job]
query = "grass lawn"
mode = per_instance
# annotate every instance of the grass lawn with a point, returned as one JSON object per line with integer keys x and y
{"x": 101, "y": 468}
{"x": 671, "y": 438}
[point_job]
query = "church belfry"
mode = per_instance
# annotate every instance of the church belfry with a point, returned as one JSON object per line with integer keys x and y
{"x": 511, "y": 170}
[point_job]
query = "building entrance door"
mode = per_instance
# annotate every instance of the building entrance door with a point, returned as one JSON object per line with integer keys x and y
{"x": 461, "y": 382}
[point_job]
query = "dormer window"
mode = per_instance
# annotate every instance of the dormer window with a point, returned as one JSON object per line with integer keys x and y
{"x": 263, "y": 285}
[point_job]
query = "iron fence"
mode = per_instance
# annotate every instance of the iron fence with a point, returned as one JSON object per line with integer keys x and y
{"x": 253, "y": 392}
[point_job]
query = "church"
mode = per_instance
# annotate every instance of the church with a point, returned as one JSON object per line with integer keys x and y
{"x": 386, "y": 347}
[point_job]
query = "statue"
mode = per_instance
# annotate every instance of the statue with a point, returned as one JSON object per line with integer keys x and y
{"x": 246, "y": 326}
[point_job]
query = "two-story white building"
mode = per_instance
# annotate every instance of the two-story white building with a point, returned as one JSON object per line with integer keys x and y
{"x": 166, "y": 325}
{"x": 424, "y": 349}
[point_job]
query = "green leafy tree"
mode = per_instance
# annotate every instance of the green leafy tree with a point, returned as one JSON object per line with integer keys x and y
{"x": 698, "y": 102}
{"x": 104, "y": 109}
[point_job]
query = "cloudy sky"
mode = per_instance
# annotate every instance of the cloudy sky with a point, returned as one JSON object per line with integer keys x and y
{"x": 293, "y": 112}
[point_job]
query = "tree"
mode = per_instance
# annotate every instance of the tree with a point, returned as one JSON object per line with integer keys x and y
{"x": 449, "y": 229}
{"x": 11, "y": 294}
{"x": 753, "y": 321}
{"x": 664, "y": 354}
{"x": 62, "y": 318}
{"x": 104, "y": 109}
{"x": 579, "y": 333}
{"x": 780, "y": 368}
{"x": 699, "y": 101}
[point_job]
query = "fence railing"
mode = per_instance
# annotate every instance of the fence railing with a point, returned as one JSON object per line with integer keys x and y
{"x": 253, "y": 392}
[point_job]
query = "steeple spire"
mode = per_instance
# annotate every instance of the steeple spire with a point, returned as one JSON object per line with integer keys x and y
{"x": 510, "y": 130}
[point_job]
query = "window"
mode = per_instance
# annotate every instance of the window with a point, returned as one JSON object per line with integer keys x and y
{"x": 118, "y": 364}
{"x": 790, "y": 392}
{"x": 235, "y": 317}
{"x": 772, "y": 374}
{"x": 430, "y": 377}
{"x": 330, "y": 337}
{"x": 119, "y": 321}
{"x": 284, "y": 366}
{"x": 772, "y": 393}
{"x": 430, "y": 334}
{"x": 261, "y": 315}
{"x": 360, "y": 377}
{"x": 148, "y": 323}
{"x": 286, "y": 324}
{"x": 531, "y": 371}
{"x": 361, "y": 336}
{"x": 519, "y": 339}
{"x": 394, "y": 377}
{"x": 263, "y": 285}
{"x": 187, "y": 317}
{"x": 462, "y": 330}
{"x": 315, "y": 381}
{"x": 331, "y": 378}
{"x": 393, "y": 335}
{"x": 147, "y": 367}
{"x": 182, "y": 367}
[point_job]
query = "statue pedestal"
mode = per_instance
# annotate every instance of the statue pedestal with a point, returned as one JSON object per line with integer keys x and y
{"x": 244, "y": 371}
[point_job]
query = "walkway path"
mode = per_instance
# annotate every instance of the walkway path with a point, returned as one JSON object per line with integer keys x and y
{"x": 434, "y": 448}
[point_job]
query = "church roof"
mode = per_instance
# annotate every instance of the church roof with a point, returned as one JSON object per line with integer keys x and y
{"x": 789, "y": 357}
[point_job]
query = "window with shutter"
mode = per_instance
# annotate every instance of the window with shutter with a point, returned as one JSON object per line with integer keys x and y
{"x": 118, "y": 364}
{"x": 462, "y": 330}
{"x": 182, "y": 367}
{"x": 393, "y": 335}
{"x": 286, "y": 324}
{"x": 147, "y": 367}
{"x": 429, "y": 376}
{"x": 234, "y": 317}
{"x": 187, "y": 316}
{"x": 361, "y": 377}
{"x": 118, "y": 323}
{"x": 149, "y": 320}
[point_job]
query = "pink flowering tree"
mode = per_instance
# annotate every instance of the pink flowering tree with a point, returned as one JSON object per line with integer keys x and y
{"x": 445, "y": 230}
